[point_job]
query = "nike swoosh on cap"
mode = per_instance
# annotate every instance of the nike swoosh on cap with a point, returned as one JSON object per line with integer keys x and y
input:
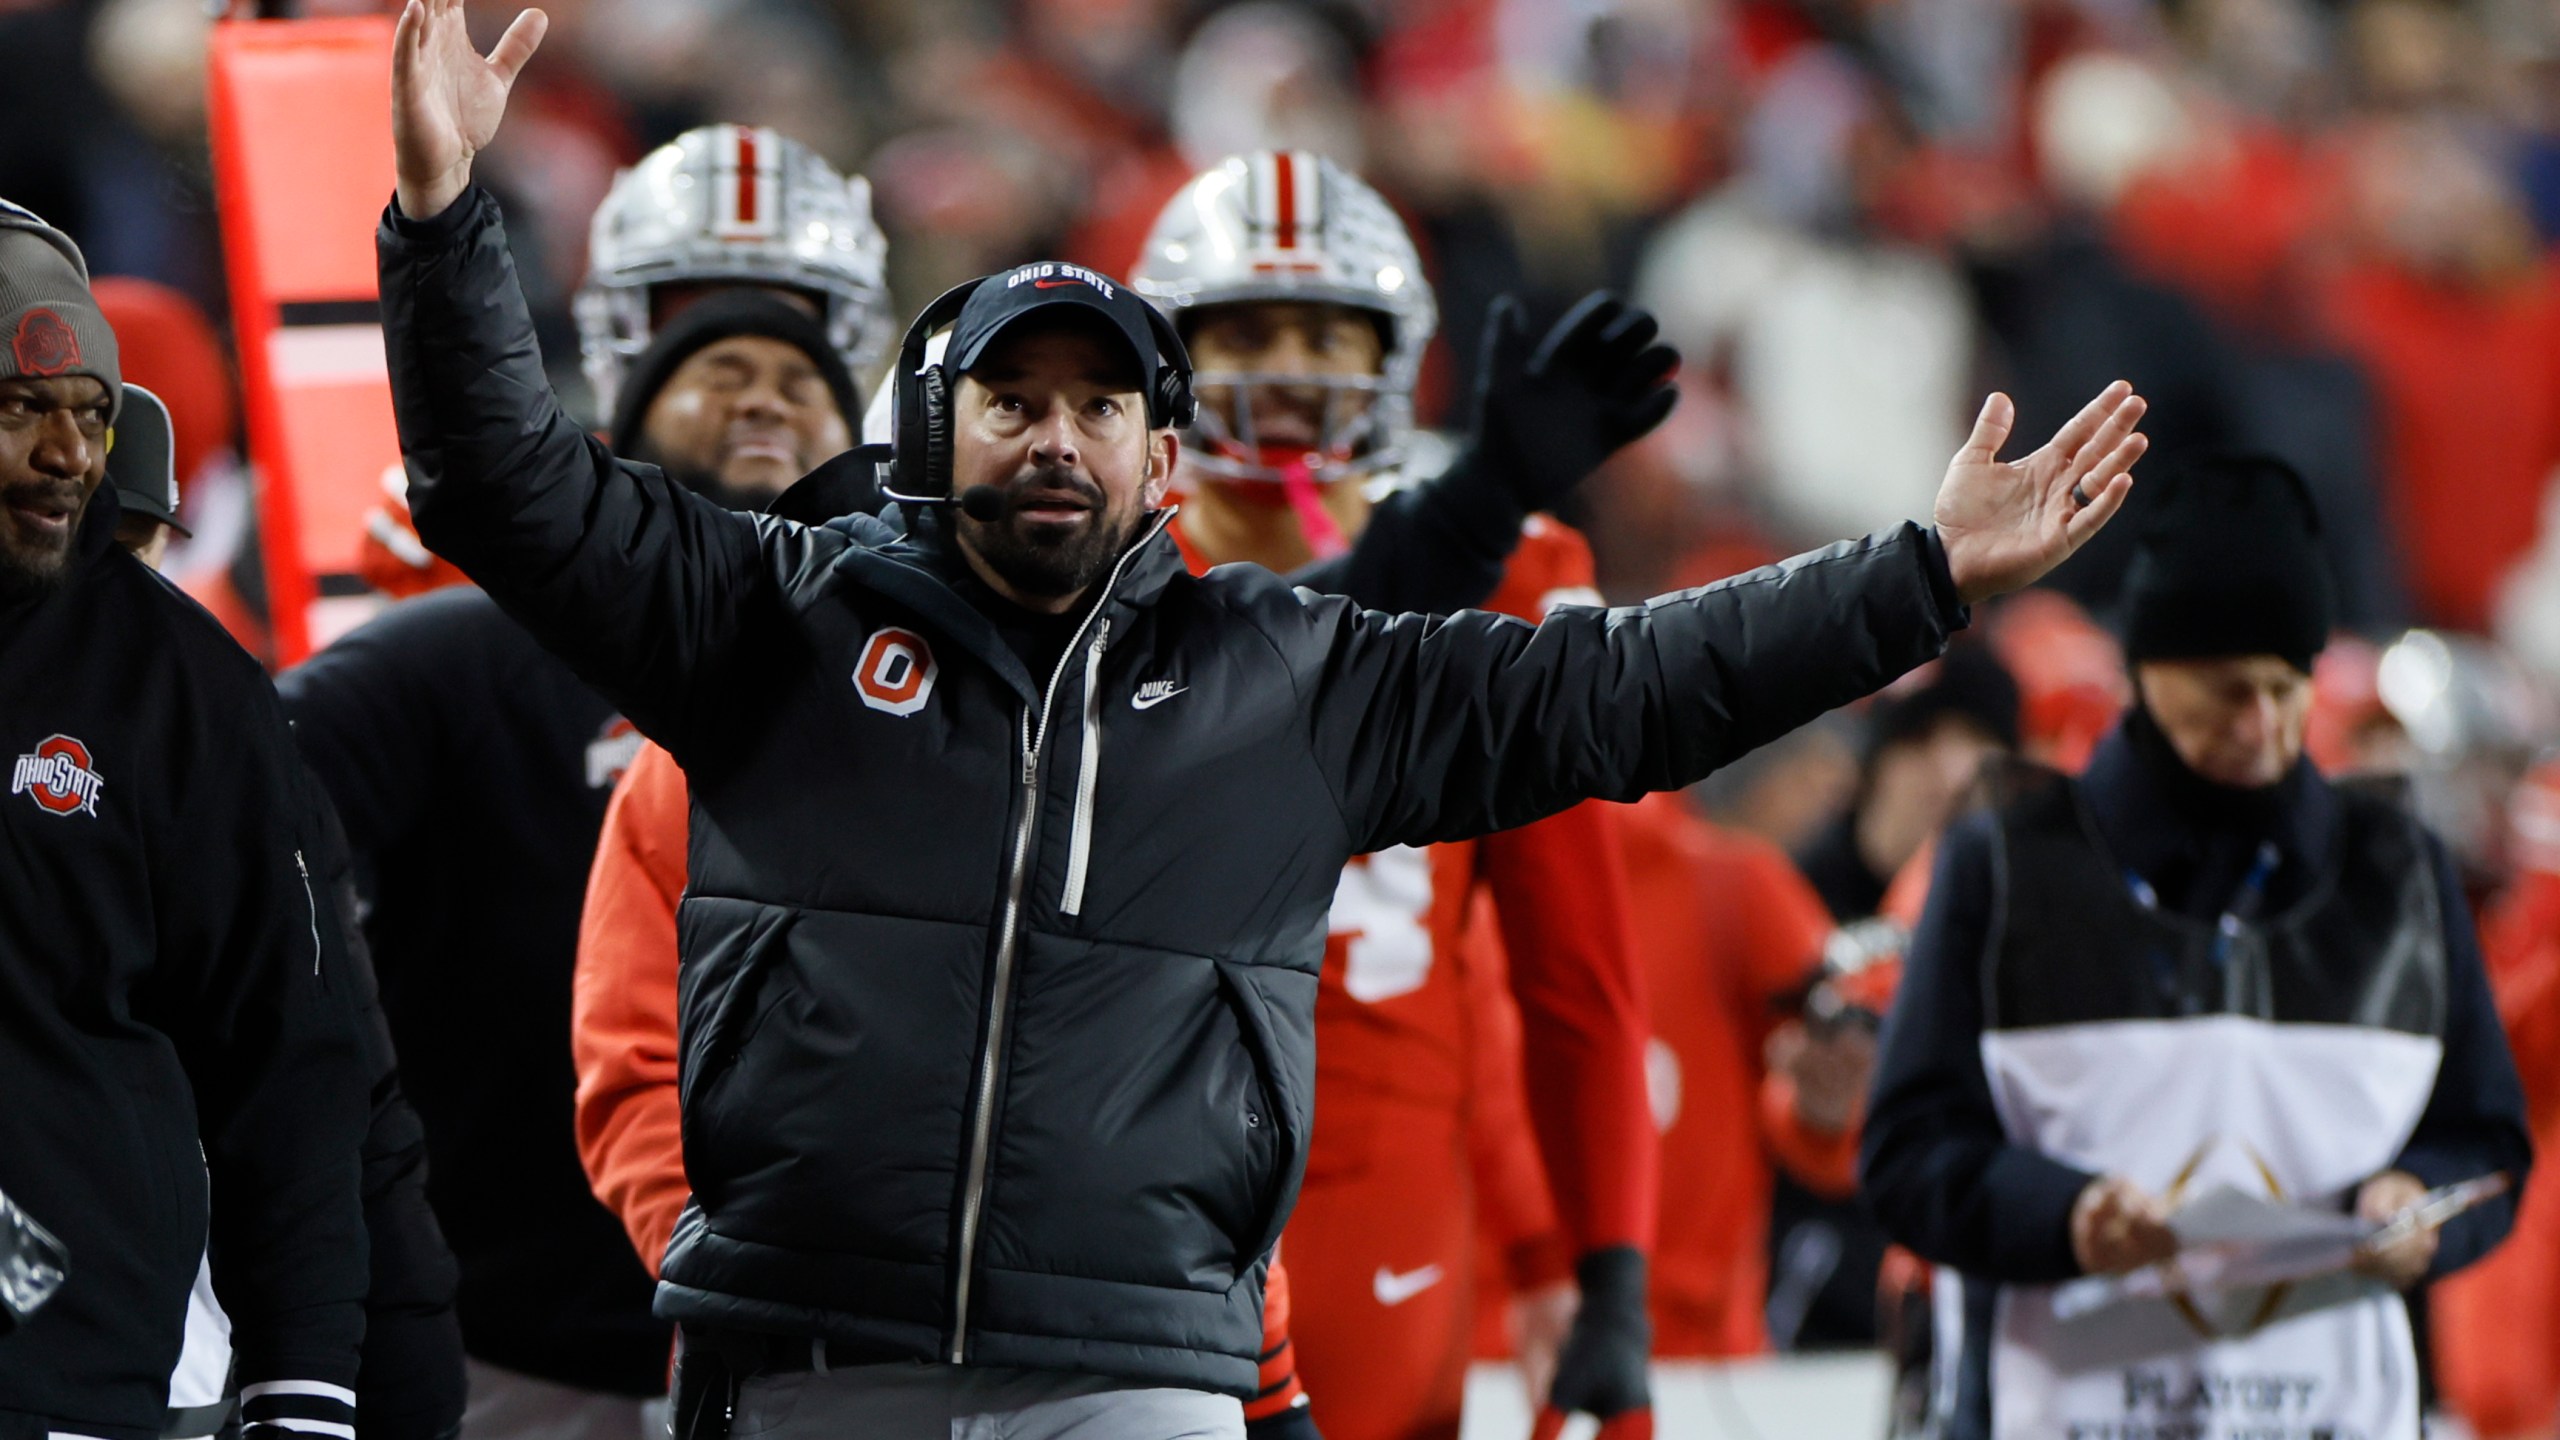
{"x": 1052, "y": 284}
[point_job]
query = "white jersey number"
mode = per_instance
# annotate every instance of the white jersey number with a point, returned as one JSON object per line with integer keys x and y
{"x": 1382, "y": 913}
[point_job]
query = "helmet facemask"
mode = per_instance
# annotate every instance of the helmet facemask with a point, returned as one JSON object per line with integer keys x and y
{"x": 1292, "y": 227}
{"x": 1270, "y": 426}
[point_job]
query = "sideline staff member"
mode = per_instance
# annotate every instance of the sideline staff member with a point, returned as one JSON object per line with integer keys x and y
{"x": 944, "y": 783}
{"x": 164, "y": 1011}
{"x": 2199, "y": 964}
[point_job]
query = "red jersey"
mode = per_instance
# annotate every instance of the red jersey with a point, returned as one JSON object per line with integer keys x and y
{"x": 1427, "y": 1142}
{"x": 1732, "y": 932}
{"x": 1393, "y": 1017}
{"x": 2497, "y": 1324}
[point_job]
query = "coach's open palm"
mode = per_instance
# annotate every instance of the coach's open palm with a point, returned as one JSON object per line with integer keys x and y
{"x": 446, "y": 100}
{"x": 2007, "y": 522}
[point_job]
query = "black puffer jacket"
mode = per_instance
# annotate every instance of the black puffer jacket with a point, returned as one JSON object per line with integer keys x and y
{"x": 999, "y": 989}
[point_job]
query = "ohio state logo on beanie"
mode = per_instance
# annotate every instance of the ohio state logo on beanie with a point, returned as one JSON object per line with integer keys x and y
{"x": 45, "y": 344}
{"x": 895, "y": 674}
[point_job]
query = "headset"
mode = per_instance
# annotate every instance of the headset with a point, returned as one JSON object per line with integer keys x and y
{"x": 920, "y": 407}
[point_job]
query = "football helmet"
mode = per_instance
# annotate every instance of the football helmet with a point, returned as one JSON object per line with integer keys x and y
{"x": 732, "y": 204}
{"x": 1290, "y": 225}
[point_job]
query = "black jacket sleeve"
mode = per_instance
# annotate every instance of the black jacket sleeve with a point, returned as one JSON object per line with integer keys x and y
{"x": 1435, "y": 548}
{"x": 367, "y": 716}
{"x": 1438, "y": 729}
{"x": 264, "y": 1024}
{"x": 410, "y": 1385}
{"x": 1933, "y": 1162}
{"x": 2474, "y": 1123}
{"x": 641, "y": 585}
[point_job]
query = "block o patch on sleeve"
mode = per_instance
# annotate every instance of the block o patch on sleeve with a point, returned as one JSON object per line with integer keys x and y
{"x": 895, "y": 674}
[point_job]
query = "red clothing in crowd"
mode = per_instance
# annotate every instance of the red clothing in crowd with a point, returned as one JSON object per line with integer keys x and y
{"x": 2469, "y": 384}
{"x": 2497, "y": 1324}
{"x": 1731, "y": 935}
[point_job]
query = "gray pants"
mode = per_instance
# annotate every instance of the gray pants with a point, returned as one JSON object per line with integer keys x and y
{"x": 505, "y": 1405}
{"x": 974, "y": 1402}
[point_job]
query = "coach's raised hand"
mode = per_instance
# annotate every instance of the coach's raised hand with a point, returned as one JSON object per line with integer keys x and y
{"x": 2007, "y": 522}
{"x": 446, "y": 101}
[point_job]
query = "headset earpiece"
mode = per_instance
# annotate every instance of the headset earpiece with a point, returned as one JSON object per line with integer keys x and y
{"x": 1170, "y": 401}
{"x": 934, "y": 414}
{"x": 920, "y": 408}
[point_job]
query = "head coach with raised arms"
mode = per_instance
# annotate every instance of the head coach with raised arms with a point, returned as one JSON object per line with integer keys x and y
{"x": 978, "y": 1120}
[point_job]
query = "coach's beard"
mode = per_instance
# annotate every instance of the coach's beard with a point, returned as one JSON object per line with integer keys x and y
{"x": 39, "y": 525}
{"x": 1057, "y": 535}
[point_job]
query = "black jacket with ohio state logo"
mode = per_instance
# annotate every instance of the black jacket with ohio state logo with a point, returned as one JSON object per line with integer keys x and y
{"x": 165, "y": 1013}
{"x": 998, "y": 988}
{"x": 472, "y": 769}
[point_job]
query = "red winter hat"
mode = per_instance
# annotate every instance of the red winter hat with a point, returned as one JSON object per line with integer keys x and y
{"x": 169, "y": 348}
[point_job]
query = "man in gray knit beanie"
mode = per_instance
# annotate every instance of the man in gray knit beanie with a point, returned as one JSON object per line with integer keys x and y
{"x": 59, "y": 389}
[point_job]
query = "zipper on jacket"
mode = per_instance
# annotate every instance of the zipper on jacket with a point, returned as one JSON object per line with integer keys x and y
{"x": 1008, "y": 938}
{"x": 312, "y": 903}
{"x": 1080, "y": 843}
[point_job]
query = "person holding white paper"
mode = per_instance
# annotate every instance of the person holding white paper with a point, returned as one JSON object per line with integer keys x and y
{"x": 2199, "y": 965}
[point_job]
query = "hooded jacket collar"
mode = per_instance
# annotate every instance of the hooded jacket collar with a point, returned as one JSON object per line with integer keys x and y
{"x": 912, "y": 566}
{"x": 2165, "y": 823}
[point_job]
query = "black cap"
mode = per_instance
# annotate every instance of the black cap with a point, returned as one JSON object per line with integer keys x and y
{"x": 1004, "y": 298}
{"x": 143, "y": 460}
{"x": 1967, "y": 683}
{"x": 745, "y": 310}
{"x": 2230, "y": 563}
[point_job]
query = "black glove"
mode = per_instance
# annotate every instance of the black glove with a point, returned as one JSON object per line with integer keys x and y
{"x": 1295, "y": 1423}
{"x": 1545, "y": 418}
{"x": 1601, "y": 1370}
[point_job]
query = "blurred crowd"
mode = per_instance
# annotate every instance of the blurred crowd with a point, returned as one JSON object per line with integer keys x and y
{"x": 2318, "y": 230}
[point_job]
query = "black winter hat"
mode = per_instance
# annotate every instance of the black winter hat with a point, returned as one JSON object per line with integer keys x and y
{"x": 1967, "y": 683}
{"x": 715, "y": 318}
{"x": 2230, "y": 564}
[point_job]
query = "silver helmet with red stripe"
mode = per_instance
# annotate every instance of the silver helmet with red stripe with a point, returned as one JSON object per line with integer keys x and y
{"x": 732, "y": 205}
{"x": 1291, "y": 225}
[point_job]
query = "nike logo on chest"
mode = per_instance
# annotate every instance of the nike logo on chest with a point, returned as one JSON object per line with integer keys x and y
{"x": 1154, "y": 693}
